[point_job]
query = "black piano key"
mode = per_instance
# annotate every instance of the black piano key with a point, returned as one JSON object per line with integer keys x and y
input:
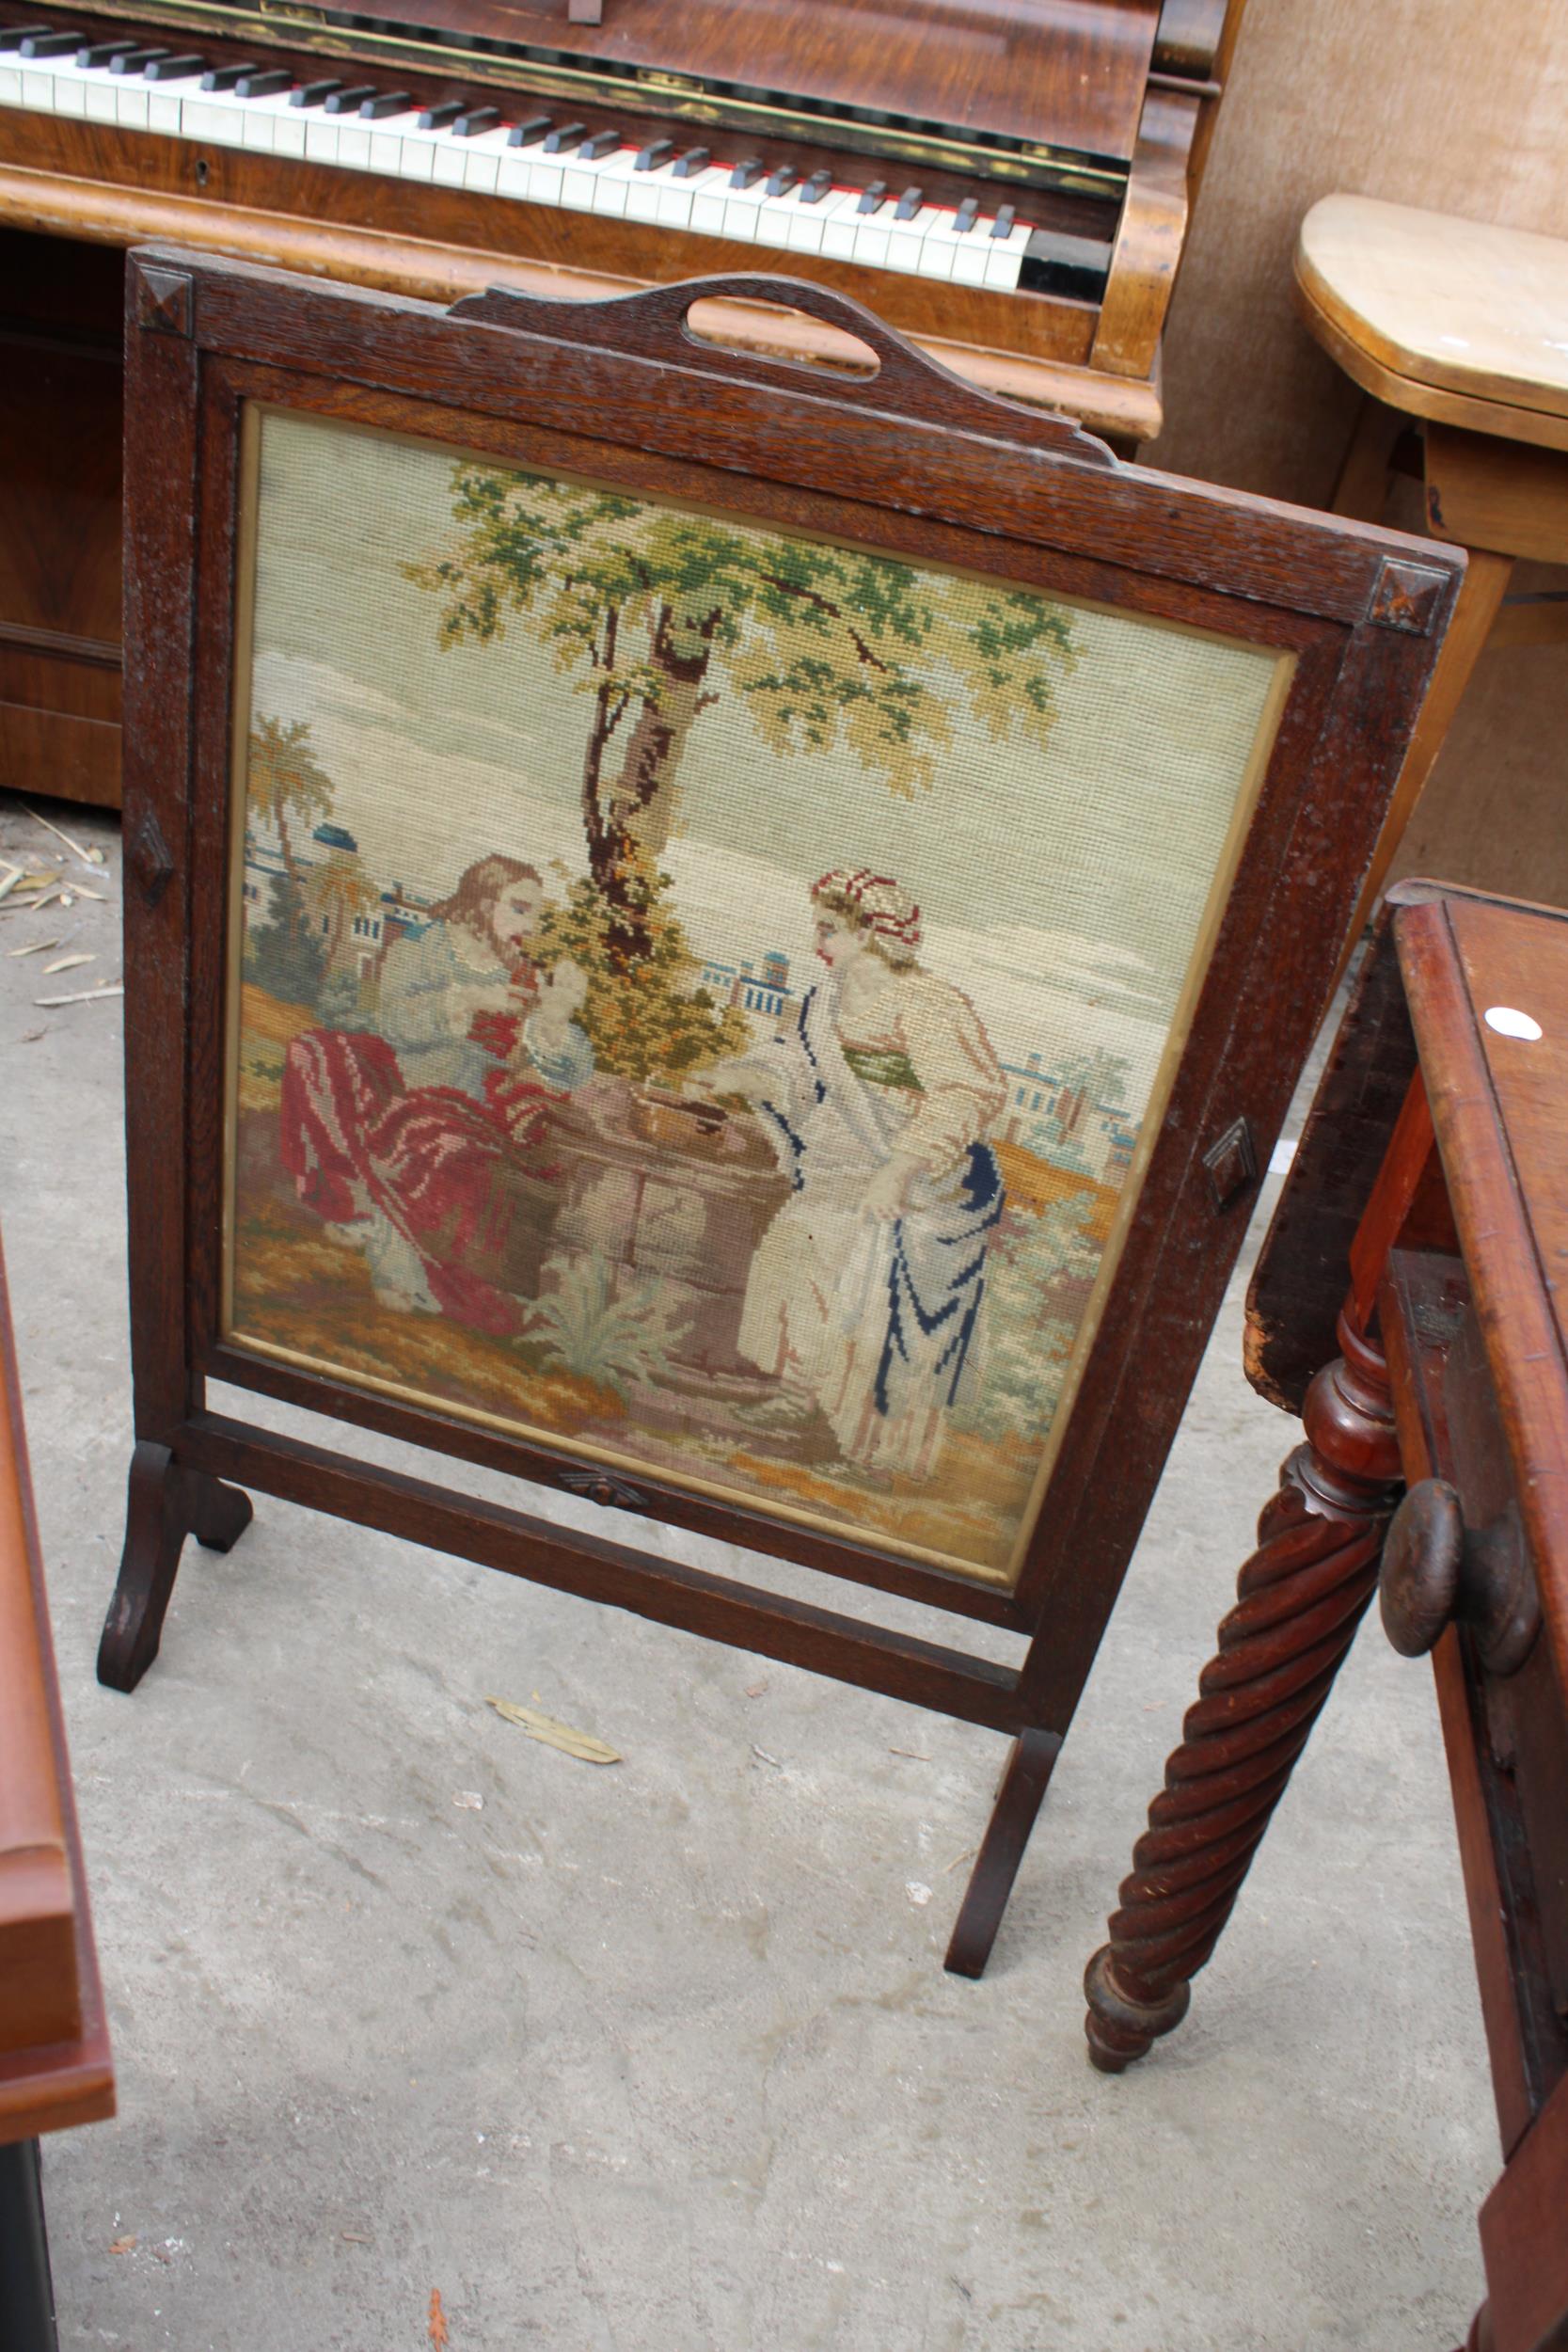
{"x": 135, "y": 61}
{"x": 49, "y": 44}
{"x": 102, "y": 54}
{"x": 966, "y": 216}
{"x": 228, "y": 76}
{"x": 478, "y": 119}
{"x": 314, "y": 93}
{"x": 437, "y": 118}
{"x": 602, "y": 143}
{"x": 1056, "y": 263}
{"x": 1007, "y": 214}
{"x": 748, "y": 173}
{"x": 349, "y": 100}
{"x": 264, "y": 82}
{"x": 695, "y": 159}
{"x": 655, "y": 155}
{"x": 528, "y": 134}
{"x": 562, "y": 141}
{"x": 816, "y": 187}
{"x": 909, "y": 203}
{"x": 12, "y": 35}
{"x": 873, "y": 197}
{"x": 176, "y": 69}
{"x": 385, "y": 102}
{"x": 781, "y": 181}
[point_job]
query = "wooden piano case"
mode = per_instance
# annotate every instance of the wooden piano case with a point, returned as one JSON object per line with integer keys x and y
{"x": 720, "y": 941}
{"x": 1091, "y": 117}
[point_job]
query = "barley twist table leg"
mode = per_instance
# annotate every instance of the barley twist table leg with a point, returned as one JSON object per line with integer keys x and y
{"x": 1300, "y": 1597}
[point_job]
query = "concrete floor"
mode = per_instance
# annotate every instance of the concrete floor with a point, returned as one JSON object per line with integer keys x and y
{"x": 661, "y": 2058}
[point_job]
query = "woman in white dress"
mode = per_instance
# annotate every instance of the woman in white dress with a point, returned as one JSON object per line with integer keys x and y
{"x": 864, "y": 1295}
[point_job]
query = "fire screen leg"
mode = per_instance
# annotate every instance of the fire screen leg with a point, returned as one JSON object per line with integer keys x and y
{"x": 1025, "y": 1781}
{"x": 1301, "y": 1596}
{"x": 165, "y": 1504}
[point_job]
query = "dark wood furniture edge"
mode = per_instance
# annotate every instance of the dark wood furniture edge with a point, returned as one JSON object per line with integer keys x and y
{"x": 56, "y": 2084}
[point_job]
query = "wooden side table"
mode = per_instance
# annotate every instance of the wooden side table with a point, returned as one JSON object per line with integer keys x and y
{"x": 54, "y": 2065}
{"x": 1412, "y": 1304}
{"x": 1458, "y": 334}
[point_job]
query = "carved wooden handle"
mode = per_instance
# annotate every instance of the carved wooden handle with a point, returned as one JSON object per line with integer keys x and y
{"x": 1436, "y": 1572}
{"x": 654, "y": 323}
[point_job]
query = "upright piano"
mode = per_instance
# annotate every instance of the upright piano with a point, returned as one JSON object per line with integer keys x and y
{"x": 1006, "y": 180}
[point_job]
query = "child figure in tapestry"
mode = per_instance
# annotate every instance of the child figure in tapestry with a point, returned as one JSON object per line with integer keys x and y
{"x": 866, "y": 1292}
{"x": 417, "y": 1144}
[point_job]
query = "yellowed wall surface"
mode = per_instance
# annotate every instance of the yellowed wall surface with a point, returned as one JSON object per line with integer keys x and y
{"x": 1437, "y": 102}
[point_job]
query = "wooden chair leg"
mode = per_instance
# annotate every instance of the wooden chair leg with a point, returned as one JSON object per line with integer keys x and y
{"x": 1301, "y": 1596}
{"x": 166, "y": 1503}
{"x": 1362, "y": 489}
{"x": 1024, "y": 1780}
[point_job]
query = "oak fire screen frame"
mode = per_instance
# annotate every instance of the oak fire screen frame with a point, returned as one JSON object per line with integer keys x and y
{"x": 903, "y": 476}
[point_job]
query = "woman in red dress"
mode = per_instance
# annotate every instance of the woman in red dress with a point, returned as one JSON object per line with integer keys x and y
{"x": 408, "y": 1140}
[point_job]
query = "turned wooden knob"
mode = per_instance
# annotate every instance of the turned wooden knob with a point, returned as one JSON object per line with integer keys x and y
{"x": 1436, "y": 1571}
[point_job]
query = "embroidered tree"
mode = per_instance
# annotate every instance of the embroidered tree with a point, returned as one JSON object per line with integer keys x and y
{"x": 659, "y": 616}
{"x": 286, "y": 786}
{"x": 285, "y": 780}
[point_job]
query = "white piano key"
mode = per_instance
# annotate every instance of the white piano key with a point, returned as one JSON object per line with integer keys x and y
{"x": 417, "y": 158}
{"x": 38, "y": 90}
{"x": 741, "y": 206}
{"x": 678, "y": 198}
{"x": 969, "y": 255}
{"x": 544, "y": 181}
{"x": 10, "y": 85}
{"x": 842, "y": 220}
{"x": 808, "y": 224}
{"x": 261, "y": 121}
{"x": 939, "y": 246}
{"x": 451, "y": 163}
{"x": 387, "y": 152}
{"x": 131, "y": 106}
{"x": 354, "y": 146}
{"x": 482, "y": 160}
{"x": 71, "y": 88}
{"x": 515, "y": 175}
{"x": 707, "y": 208}
{"x": 217, "y": 116}
{"x": 642, "y": 193}
{"x": 773, "y": 218}
{"x": 613, "y": 185}
{"x": 1004, "y": 256}
{"x": 290, "y": 124}
{"x": 99, "y": 94}
{"x": 905, "y": 238}
{"x": 579, "y": 180}
{"x": 321, "y": 137}
{"x": 163, "y": 113}
{"x": 871, "y": 237}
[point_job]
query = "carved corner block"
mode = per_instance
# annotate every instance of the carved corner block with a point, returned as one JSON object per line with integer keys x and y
{"x": 1407, "y": 596}
{"x": 166, "y": 299}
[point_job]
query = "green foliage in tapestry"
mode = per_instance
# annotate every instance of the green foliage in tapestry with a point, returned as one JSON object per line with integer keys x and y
{"x": 651, "y": 1019}
{"x": 658, "y": 615}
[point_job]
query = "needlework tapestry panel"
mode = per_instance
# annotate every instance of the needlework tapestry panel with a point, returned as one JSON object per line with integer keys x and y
{"x": 703, "y": 992}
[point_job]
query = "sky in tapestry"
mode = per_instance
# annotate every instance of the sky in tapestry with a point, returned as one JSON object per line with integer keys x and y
{"x": 1091, "y": 861}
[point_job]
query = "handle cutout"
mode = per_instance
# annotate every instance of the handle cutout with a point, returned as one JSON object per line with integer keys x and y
{"x": 788, "y": 338}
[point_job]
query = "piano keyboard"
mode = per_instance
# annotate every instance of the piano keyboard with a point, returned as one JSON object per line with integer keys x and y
{"x": 537, "y": 160}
